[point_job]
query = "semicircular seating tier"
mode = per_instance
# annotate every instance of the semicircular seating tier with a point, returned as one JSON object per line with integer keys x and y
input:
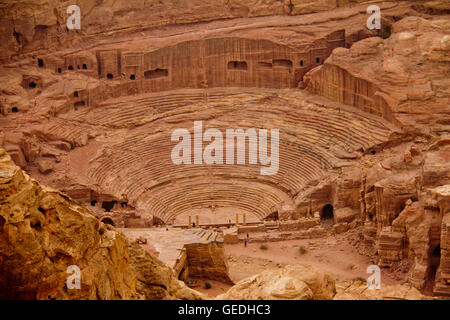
{"x": 134, "y": 157}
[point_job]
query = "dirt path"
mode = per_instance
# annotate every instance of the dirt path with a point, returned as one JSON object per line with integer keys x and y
{"x": 333, "y": 255}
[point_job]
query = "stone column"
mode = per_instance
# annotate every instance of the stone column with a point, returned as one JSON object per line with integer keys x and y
{"x": 237, "y": 218}
{"x": 196, "y": 222}
{"x": 244, "y": 219}
{"x": 190, "y": 222}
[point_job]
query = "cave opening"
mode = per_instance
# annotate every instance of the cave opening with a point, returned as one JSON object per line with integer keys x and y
{"x": 70, "y": 68}
{"x": 157, "y": 73}
{"x": 15, "y": 109}
{"x": 32, "y": 84}
{"x": 40, "y": 63}
{"x": 108, "y": 221}
{"x": 157, "y": 221}
{"x": 237, "y": 65}
{"x": 385, "y": 31}
{"x": 327, "y": 212}
{"x": 182, "y": 274}
{"x": 84, "y": 66}
{"x": 327, "y": 216}
{"x": 272, "y": 217}
{"x": 108, "y": 205}
{"x": 110, "y": 76}
{"x": 435, "y": 261}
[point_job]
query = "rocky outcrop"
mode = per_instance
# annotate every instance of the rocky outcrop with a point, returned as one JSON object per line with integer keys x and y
{"x": 43, "y": 232}
{"x": 402, "y": 79}
{"x": 393, "y": 190}
{"x": 302, "y": 282}
{"x": 357, "y": 290}
{"x": 292, "y": 282}
{"x": 90, "y": 112}
{"x": 205, "y": 258}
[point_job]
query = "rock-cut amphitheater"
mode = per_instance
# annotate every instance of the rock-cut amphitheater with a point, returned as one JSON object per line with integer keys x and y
{"x": 361, "y": 167}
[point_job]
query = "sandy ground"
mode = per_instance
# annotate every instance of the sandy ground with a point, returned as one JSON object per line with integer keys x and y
{"x": 216, "y": 287}
{"x": 332, "y": 254}
{"x": 335, "y": 257}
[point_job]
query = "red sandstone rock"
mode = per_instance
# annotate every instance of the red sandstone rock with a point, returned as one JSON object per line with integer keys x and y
{"x": 91, "y": 113}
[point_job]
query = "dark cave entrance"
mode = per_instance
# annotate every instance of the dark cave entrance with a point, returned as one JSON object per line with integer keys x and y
{"x": 156, "y": 74}
{"x": 327, "y": 216}
{"x": 108, "y": 205}
{"x": 237, "y": 65}
{"x": 327, "y": 212}
{"x": 435, "y": 261}
{"x": 108, "y": 221}
{"x": 272, "y": 217}
{"x": 182, "y": 275}
{"x": 157, "y": 221}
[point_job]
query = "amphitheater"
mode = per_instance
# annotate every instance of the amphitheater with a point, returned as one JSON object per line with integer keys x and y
{"x": 363, "y": 117}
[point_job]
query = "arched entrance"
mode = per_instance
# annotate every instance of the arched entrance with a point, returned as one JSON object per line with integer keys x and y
{"x": 272, "y": 217}
{"x": 108, "y": 221}
{"x": 157, "y": 221}
{"x": 327, "y": 216}
{"x": 435, "y": 261}
{"x": 327, "y": 212}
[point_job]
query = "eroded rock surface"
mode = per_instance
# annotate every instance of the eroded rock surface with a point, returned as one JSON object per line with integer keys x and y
{"x": 43, "y": 232}
{"x": 91, "y": 112}
{"x": 296, "y": 282}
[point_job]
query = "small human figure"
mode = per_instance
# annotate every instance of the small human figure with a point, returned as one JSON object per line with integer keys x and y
{"x": 193, "y": 224}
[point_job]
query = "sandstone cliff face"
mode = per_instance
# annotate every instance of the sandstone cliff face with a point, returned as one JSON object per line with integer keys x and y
{"x": 81, "y": 130}
{"x": 403, "y": 79}
{"x": 30, "y": 26}
{"x": 43, "y": 232}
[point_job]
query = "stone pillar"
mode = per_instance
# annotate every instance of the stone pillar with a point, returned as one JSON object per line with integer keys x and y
{"x": 244, "y": 217}
{"x": 196, "y": 222}
{"x": 237, "y": 218}
{"x": 190, "y": 222}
